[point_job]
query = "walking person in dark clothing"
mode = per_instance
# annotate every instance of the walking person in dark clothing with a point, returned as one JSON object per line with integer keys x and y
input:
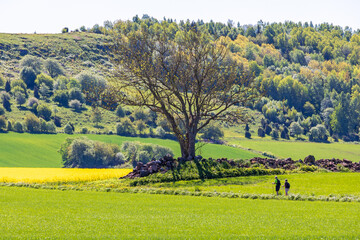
{"x": 277, "y": 185}
{"x": 287, "y": 187}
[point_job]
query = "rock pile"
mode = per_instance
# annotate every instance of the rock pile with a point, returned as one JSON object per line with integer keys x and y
{"x": 167, "y": 163}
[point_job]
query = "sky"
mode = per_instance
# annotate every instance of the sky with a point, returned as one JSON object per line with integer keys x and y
{"x": 50, "y": 16}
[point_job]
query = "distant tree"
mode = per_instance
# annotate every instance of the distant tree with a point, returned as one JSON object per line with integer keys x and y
{"x": 2, "y": 123}
{"x": 61, "y": 97}
{"x": 120, "y": 112}
{"x": 141, "y": 126}
{"x": 247, "y": 127}
{"x": 5, "y": 97}
{"x": 96, "y": 116}
{"x": 36, "y": 92}
{"x": 33, "y": 102}
{"x": 309, "y": 109}
{"x": 65, "y": 30}
{"x": 68, "y": 129}
{"x": 32, "y": 123}
{"x": 160, "y": 132}
{"x": 76, "y": 94}
{"x": 83, "y": 29}
{"x": 318, "y": 134}
{"x": 75, "y": 104}
{"x": 92, "y": 85}
{"x": 44, "y": 91}
{"x": 32, "y": 62}
{"x": 44, "y": 111}
{"x": 20, "y": 98}
{"x": 2, "y": 81}
{"x": 298, "y": 56}
{"x": 53, "y": 67}
{"x": 9, "y": 126}
{"x": 50, "y": 127}
{"x": 125, "y": 128}
{"x": 247, "y": 134}
{"x": 45, "y": 79}
{"x": 261, "y": 132}
{"x": 212, "y": 132}
{"x": 274, "y": 134}
{"x": 18, "y": 127}
{"x": 295, "y": 129}
{"x": 7, "y": 86}
{"x": 28, "y": 75}
{"x": 268, "y": 129}
{"x": 250, "y": 32}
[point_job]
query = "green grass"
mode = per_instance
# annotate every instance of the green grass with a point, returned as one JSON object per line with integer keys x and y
{"x": 37, "y": 214}
{"x": 318, "y": 184}
{"x": 40, "y": 150}
{"x": 299, "y": 150}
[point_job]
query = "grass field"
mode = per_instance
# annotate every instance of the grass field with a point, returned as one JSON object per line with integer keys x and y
{"x": 37, "y": 214}
{"x": 40, "y": 150}
{"x": 50, "y": 175}
{"x": 299, "y": 150}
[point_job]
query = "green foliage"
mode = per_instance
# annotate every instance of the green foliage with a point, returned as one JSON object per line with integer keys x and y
{"x": 20, "y": 98}
{"x": 76, "y": 94}
{"x": 32, "y": 123}
{"x": 119, "y": 112}
{"x": 33, "y": 62}
{"x": 61, "y": 97}
{"x": 44, "y": 79}
{"x": 125, "y": 128}
{"x": 18, "y": 127}
{"x": 2, "y": 123}
{"x": 44, "y": 111}
{"x": 96, "y": 116}
{"x": 28, "y": 75}
{"x": 76, "y": 105}
{"x": 2, "y": 111}
{"x": 53, "y": 68}
{"x": 212, "y": 132}
{"x": 92, "y": 85}
{"x": 18, "y": 86}
{"x": 68, "y": 129}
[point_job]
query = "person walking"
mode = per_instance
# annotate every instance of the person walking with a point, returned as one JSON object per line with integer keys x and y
{"x": 287, "y": 187}
{"x": 277, "y": 185}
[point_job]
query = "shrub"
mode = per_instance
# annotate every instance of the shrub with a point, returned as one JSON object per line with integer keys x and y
{"x": 43, "y": 128}
{"x": 50, "y": 127}
{"x": 143, "y": 157}
{"x": 261, "y": 132}
{"x": 119, "y": 112}
{"x": 53, "y": 68}
{"x": 68, "y": 129}
{"x": 61, "y": 97}
{"x": 125, "y": 128}
{"x": 20, "y": 98}
{"x": 160, "y": 132}
{"x": 212, "y": 132}
{"x": 2, "y": 111}
{"x": 75, "y": 104}
{"x": 5, "y": 97}
{"x": 92, "y": 85}
{"x": 76, "y": 94}
{"x": 9, "y": 126}
{"x": 28, "y": 75}
{"x": 45, "y": 79}
{"x": 295, "y": 129}
{"x": 140, "y": 114}
{"x": 33, "y": 102}
{"x": 18, "y": 127}
{"x": 18, "y": 85}
{"x": 274, "y": 134}
{"x": 82, "y": 152}
{"x": 44, "y": 111}
{"x": 32, "y": 123}
{"x": 44, "y": 91}
{"x": 61, "y": 83}
{"x": 57, "y": 121}
{"x": 2, "y": 81}
{"x": 247, "y": 134}
{"x": 32, "y": 62}
{"x": 2, "y": 123}
{"x": 84, "y": 130}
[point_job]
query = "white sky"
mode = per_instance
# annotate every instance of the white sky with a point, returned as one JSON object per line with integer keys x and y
{"x": 50, "y": 16}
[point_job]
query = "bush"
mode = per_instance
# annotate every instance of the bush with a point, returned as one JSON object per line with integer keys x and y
{"x": 57, "y": 121}
{"x": 92, "y": 85}
{"x": 44, "y": 111}
{"x": 160, "y": 132}
{"x": 28, "y": 75}
{"x": 44, "y": 91}
{"x": 32, "y": 62}
{"x": 61, "y": 97}
{"x": 68, "y": 129}
{"x": 125, "y": 128}
{"x": 75, "y": 104}
{"x": 2, "y": 111}
{"x": 274, "y": 134}
{"x": 247, "y": 134}
{"x": 50, "y": 127}
{"x": 84, "y": 130}
{"x": 33, "y": 102}
{"x": 261, "y": 132}
{"x": 32, "y": 123}
{"x": 5, "y": 97}
{"x": 53, "y": 68}
{"x": 18, "y": 127}
{"x": 18, "y": 86}
{"x": 119, "y": 112}
{"x": 9, "y": 126}
{"x": 85, "y": 153}
{"x": 212, "y": 132}
{"x": 76, "y": 94}
{"x": 135, "y": 151}
{"x": 2, "y": 123}
{"x": 44, "y": 79}
{"x": 2, "y": 81}
{"x": 20, "y": 98}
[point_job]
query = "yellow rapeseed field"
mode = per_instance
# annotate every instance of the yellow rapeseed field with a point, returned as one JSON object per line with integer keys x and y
{"x": 44, "y": 175}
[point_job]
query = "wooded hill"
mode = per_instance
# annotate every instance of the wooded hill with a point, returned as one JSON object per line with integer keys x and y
{"x": 309, "y": 74}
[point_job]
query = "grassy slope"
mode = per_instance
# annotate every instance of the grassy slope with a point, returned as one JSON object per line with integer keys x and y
{"x": 299, "y": 150}
{"x": 34, "y": 150}
{"x": 71, "y": 214}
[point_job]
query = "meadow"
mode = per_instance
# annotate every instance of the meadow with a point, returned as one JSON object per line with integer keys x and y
{"x": 299, "y": 150}
{"x": 33, "y": 214}
{"x": 40, "y": 150}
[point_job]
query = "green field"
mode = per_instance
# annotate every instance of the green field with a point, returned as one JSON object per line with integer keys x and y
{"x": 299, "y": 150}
{"x": 38, "y": 214}
{"x": 40, "y": 150}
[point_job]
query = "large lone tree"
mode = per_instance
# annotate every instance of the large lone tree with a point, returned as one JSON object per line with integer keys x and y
{"x": 184, "y": 75}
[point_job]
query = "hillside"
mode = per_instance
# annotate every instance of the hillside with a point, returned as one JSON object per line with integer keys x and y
{"x": 309, "y": 77}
